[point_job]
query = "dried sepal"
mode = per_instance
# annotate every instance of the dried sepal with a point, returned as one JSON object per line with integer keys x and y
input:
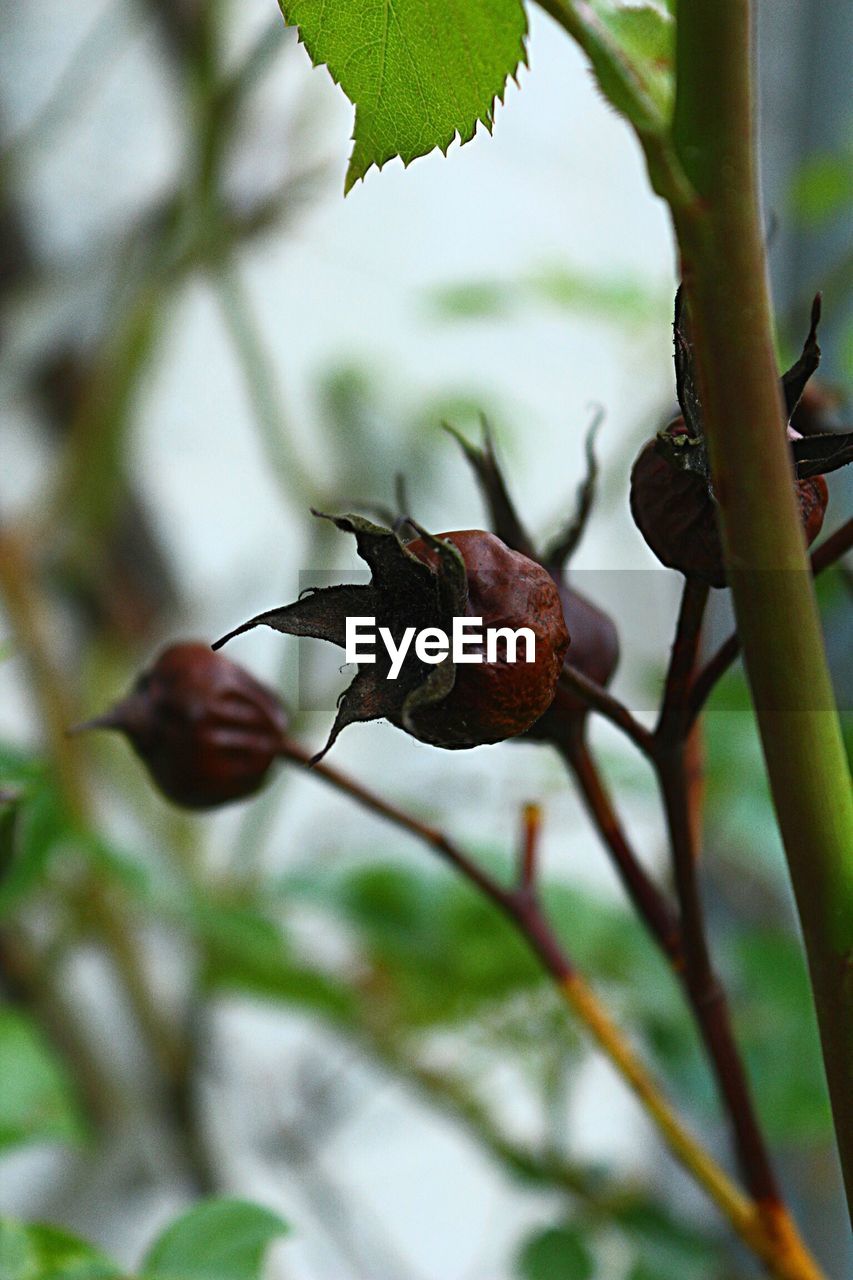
{"x": 560, "y": 550}
{"x": 819, "y": 455}
{"x": 685, "y": 368}
{"x": 794, "y": 379}
{"x": 404, "y": 591}
{"x": 504, "y": 518}
{"x": 682, "y": 442}
{"x": 595, "y": 642}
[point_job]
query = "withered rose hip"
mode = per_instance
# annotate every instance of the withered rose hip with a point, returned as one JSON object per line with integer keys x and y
{"x": 493, "y": 701}
{"x": 425, "y": 584}
{"x": 672, "y": 498}
{"x": 677, "y": 515}
{"x": 206, "y": 730}
{"x": 594, "y": 648}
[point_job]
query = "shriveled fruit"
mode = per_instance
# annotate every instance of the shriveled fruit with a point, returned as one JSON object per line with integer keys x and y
{"x": 496, "y": 700}
{"x": 206, "y": 730}
{"x": 426, "y": 583}
{"x": 672, "y": 496}
{"x": 676, "y": 512}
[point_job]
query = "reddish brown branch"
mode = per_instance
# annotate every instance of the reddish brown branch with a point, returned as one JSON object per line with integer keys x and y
{"x": 522, "y": 906}
{"x": 648, "y": 899}
{"x": 598, "y": 699}
{"x": 685, "y": 648}
{"x": 702, "y": 986}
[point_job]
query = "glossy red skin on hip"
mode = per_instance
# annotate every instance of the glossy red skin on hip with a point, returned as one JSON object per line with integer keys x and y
{"x": 493, "y": 701}
{"x": 206, "y": 730}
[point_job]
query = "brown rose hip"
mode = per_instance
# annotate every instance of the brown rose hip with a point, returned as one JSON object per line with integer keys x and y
{"x": 493, "y": 701}
{"x": 426, "y": 583}
{"x": 677, "y": 514}
{"x": 206, "y": 730}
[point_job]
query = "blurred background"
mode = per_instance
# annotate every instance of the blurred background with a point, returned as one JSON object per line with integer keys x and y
{"x": 199, "y": 340}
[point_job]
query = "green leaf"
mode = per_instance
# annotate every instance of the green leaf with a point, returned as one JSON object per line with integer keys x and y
{"x": 244, "y": 950}
{"x": 667, "y": 1248}
{"x": 33, "y": 826}
{"x": 645, "y": 38}
{"x": 35, "y": 1252}
{"x": 615, "y": 299}
{"x": 439, "y": 953}
{"x": 216, "y": 1240}
{"x": 438, "y": 950}
{"x": 418, "y": 72}
{"x": 37, "y": 1103}
{"x": 773, "y": 1007}
{"x": 560, "y": 1253}
{"x": 631, "y": 48}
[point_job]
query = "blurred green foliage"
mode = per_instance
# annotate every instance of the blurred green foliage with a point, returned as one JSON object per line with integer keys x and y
{"x": 215, "y": 1240}
{"x": 620, "y": 300}
{"x": 823, "y": 188}
{"x": 556, "y": 1251}
{"x": 37, "y": 1099}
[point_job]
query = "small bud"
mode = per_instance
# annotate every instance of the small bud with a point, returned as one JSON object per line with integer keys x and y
{"x": 206, "y": 730}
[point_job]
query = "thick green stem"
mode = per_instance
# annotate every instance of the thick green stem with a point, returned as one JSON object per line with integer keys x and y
{"x": 725, "y": 277}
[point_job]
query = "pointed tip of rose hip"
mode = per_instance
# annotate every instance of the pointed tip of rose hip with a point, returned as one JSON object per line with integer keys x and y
{"x": 109, "y": 720}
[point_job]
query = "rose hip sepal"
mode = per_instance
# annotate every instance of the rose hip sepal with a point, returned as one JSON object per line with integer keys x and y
{"x": 206, "y": 730}
{"x": 426, "y": 583}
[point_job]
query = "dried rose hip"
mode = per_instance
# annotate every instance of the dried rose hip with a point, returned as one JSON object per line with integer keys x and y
{"x": 672, "y": 499}
{"x": 595, "y": 641}
{"x": 498, "y": 700}
{"x": 206, "y": 730}
{"x": 677, "y": 514}
{"x": 427, "y": 583}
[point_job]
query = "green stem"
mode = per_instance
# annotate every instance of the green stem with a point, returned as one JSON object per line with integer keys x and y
{"x": 724, "y": 272}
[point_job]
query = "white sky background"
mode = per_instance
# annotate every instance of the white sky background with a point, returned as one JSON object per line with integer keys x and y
{"x": 561, "y": 182}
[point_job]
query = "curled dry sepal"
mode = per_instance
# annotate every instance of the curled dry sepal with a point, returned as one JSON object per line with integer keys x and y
{"x": 672, "y": 496}
{"x": 425, "y": 583}
{"x": 207, "y": 731}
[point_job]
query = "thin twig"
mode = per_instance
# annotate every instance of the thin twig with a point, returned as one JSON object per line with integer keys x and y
{"x": 648, "y": 898}
{"x": 91, "y": 902}
{"x": 694, "y": 598}
{"x": 525, "y": 912}
{"x": 545, "y": 1169}
{"x": 703, "y": 987}
{"x": 528, "y": 852}
{"x": 583, "y": 23}
{"x": 598, "y": 699}
{"x": 261, "y": 379}
{"x": 827, "y": 554}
